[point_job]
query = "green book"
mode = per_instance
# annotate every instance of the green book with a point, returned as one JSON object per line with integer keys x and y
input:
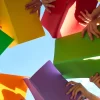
{"x": 5, "y": 41}
{"x": 71, "y": 53}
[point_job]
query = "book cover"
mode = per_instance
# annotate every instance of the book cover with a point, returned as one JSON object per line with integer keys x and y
{"x": 49, "y": 83}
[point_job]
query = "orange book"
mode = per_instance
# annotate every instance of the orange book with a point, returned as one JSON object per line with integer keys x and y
{"x": 12, "y": 87}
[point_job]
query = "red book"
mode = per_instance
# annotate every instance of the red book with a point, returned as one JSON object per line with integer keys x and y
{"x": 63, "y": 19}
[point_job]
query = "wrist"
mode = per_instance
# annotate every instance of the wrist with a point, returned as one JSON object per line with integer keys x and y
{"x": 95, "y": 13}
{"x": 88, "y": 94}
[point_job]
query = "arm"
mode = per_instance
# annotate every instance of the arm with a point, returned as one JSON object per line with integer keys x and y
{"x": 96, "y": 12}
{"x": 91, "y": 96}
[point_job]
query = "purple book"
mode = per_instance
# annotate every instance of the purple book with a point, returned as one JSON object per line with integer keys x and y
{"x": 48, "y": 84}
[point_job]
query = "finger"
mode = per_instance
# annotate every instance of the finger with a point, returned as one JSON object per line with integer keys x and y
{"x": 49, "y": 5}
{"x": 97, "y": 79}
{"x": 75, "y": 91}
{"x": 81, "y": 97}
{"x": 33, "y": 5}
{"x": 48, "y": 9}
{"x": 93, "y": 32}
{"x": 84, "y": 15}
{"x": 98, "y": 83}
{"x": 71, "y": 82}
{"x": 96, "y": 73}
{"x": 30, "y": 4}
{"x": 48, "y": 1}
{"x": 71, "y": 89}
{"x": 96, "y": 30}
{"x": 89, "y": 33}
{"x": 35, "y": 9}
{"x": 86, "y": 12}
{"x": 84, "y": 31}
{"x": 91, "y": 78}
{"x": 82, "y": 18}
{"x": 88, "y": 15}
{"x": 90, "y": 36}
{"x": 83, "y": 24}
{"x": 94, "y": 77}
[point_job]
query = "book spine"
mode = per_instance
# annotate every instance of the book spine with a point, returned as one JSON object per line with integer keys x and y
{"x": 33, "y": 89}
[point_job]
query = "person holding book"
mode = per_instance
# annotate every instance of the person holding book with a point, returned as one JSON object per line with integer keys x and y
{"x": 78, "y": 87}
{"x": 91, "y": 21}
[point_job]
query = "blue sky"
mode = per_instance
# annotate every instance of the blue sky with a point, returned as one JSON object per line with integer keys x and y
{"x": 25, "y": 59}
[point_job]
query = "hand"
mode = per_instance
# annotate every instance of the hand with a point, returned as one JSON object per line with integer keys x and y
{"x": 96, "y": 79}
{"x": 34, "y": 5}
{"x": 47, "y": 4}
{"x": 91, "y": 28}
{"x": 77, "y": 87}
{"x": 86, "y": 18}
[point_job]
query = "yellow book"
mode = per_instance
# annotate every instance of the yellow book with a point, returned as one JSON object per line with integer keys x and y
{"x": 18, "y": 23}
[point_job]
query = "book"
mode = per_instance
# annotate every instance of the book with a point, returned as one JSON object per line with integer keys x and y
{"x": 18, "y": 23}
{"x": 12, "y": 87}
{"x": 48, "y": 84}
{"x": 77, "y": 57}
{"x": 63, "y": 19}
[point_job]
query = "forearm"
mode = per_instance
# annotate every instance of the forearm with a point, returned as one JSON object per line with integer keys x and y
{"x": 98, "y": 21}
{"x": 91, "y": 96}
{"x": 96, "y": 12}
